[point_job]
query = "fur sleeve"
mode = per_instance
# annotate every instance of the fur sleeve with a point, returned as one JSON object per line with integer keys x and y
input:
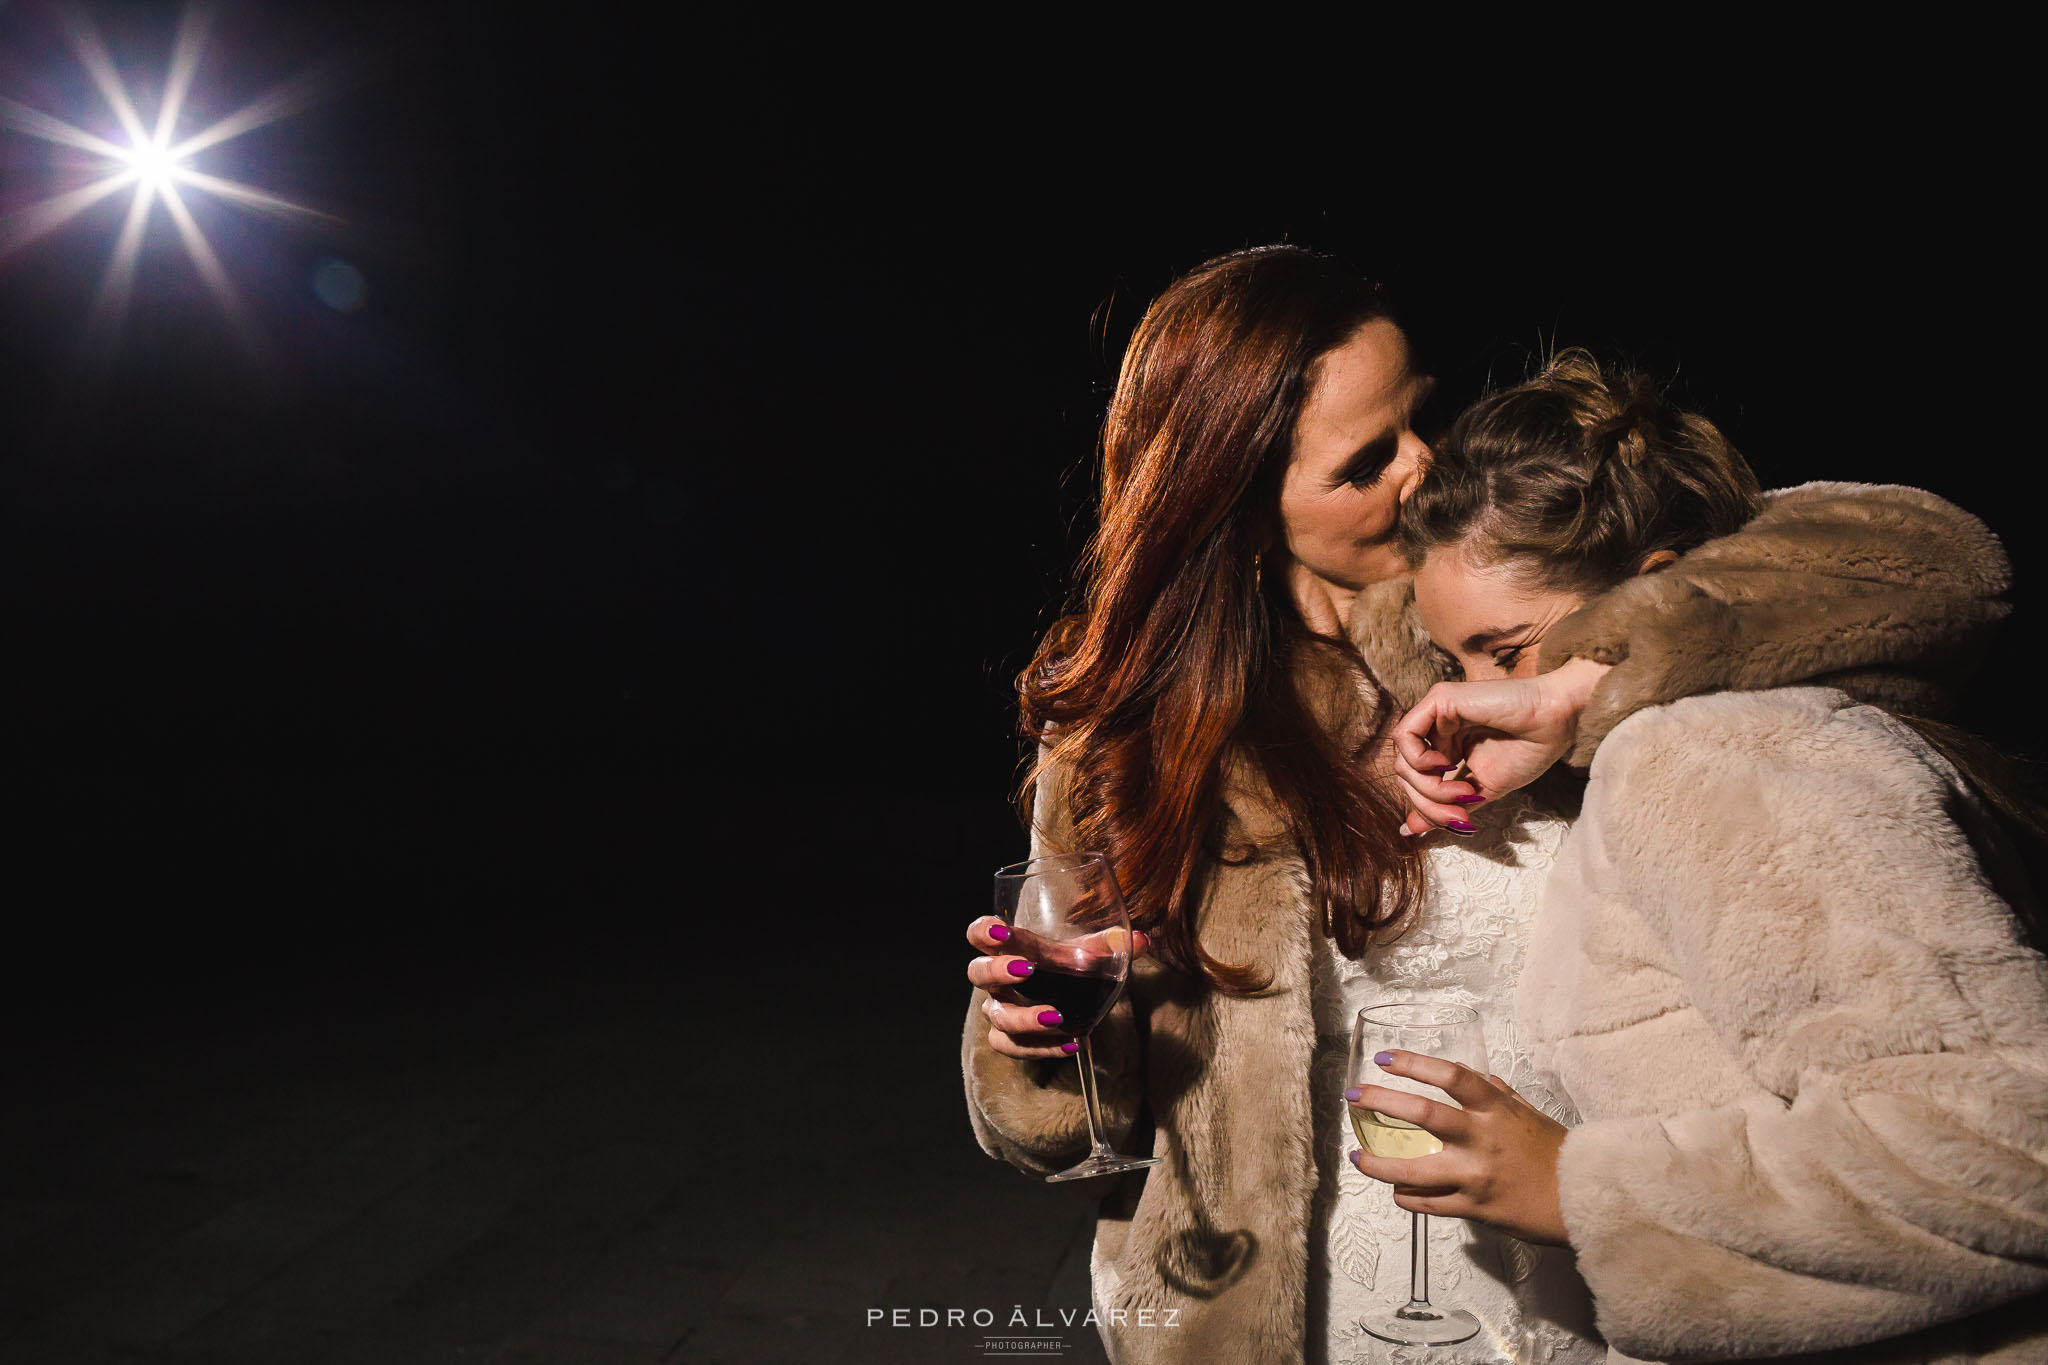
{"x": 1888, "y": 593}
{"x": 1800, "y": 861}
{"x": 1029, "y": 1112}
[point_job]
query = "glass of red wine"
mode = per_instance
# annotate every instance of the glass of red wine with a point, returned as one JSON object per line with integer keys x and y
{"x": 1067, "y": 919}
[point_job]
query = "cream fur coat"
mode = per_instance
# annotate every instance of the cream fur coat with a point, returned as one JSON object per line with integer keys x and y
{"x": 1887, "y": 590}
{"x": 1785, "y": 991}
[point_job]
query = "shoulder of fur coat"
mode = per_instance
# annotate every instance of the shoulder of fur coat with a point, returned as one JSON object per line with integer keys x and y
{"x": 1889, "y": 593}
{"x": 1807, "y": 1037}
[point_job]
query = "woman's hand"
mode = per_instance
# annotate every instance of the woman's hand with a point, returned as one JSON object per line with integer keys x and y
{"x": 1504, "y": 733}
{"x": 1499, "y": 1162}
{"x": 1016, "y": 1026}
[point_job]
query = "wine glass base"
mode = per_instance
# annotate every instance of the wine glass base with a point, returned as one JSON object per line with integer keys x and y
{"x": 1422, "y": 1326}
{"x": 1103, "y": 1165}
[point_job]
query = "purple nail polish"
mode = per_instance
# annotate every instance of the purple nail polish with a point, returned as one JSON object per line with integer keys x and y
{"x": 1462, "y": 827}
{"x": 1466, "y": 800}
{"x": 1383, "y": 1059}
{"x": 1049, "y": 1018}
{"x": 1353, "y": 1093}
{"x": 1070, "y": 1047}
{"x": 1353, "y": 1155}
{"x": 999, "y": 932}
{"x": 1020, "y": 968}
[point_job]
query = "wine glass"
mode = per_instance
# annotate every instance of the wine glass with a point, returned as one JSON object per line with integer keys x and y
{"x": 1067, "y": 919}
{"x": 1451, "y": 1032}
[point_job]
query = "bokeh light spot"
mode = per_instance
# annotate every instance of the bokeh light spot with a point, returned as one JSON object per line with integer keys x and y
{"x": 339, "y": 285}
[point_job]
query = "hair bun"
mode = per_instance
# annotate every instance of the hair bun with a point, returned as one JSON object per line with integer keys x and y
{"x": 1633, "y": 445}
{"x": 1576, "y": 475}
{"x": 1633, "y": 426}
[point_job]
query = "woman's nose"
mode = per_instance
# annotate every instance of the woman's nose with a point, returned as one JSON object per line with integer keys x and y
{"x": 1418, "y": 456}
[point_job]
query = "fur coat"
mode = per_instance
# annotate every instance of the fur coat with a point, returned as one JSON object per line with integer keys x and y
{"x": 1204, "y": 1258}
{"x": 1782, "y": 983}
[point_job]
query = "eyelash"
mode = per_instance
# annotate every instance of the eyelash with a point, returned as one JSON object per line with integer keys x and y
{"x": 1508, "y": 658}
{"x": 1372, "y": 464}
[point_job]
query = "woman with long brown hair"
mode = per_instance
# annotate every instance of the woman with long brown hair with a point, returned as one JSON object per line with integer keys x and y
{"x": 1212, "y": 718}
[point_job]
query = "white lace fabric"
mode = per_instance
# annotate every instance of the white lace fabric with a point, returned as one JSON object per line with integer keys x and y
{"x": 1466, "y": 948}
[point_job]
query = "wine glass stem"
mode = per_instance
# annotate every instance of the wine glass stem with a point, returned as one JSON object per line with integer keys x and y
{"x": 1418, "y": 1260}
{"x": 1086, "y": 1061}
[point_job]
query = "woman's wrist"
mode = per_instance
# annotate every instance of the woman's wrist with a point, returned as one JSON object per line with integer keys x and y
{"x": 1570, "y": 686}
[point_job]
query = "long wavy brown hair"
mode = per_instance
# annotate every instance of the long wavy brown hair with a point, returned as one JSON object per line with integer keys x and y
{"x": 1182, "y": 650}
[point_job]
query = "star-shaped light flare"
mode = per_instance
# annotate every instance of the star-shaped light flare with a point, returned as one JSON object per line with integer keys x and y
{"x": 155, "y": 165}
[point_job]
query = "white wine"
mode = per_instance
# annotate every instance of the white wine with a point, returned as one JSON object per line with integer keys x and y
{"x": 1383, "y": 1136}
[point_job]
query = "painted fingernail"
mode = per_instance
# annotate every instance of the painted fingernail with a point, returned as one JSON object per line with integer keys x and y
{"x": 1353, "y": 1093}
{"x": 1466, "y": 800}
{"x": 1383, "y": 1059}
{"x": 1049, "y": 1018}
{"x": 999, "y": 932}
{"x": 1407, "y": 833}
{"x": 1020, "y": 968}
{"x": 1070, "y": 1047}
{"x": 1353, "y": 1155}
{"x": 1462, "y": 827}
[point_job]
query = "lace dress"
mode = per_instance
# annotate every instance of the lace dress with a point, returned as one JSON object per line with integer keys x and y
{"x": 1467, "y": 947}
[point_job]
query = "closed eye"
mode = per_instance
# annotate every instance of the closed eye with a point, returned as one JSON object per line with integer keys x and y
{"x": 1371, "y": 463}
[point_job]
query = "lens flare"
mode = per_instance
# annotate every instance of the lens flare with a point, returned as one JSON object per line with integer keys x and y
{"x": 155, "y": 163}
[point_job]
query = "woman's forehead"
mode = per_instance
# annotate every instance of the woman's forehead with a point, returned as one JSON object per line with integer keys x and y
{"x": 1362, "y": 388}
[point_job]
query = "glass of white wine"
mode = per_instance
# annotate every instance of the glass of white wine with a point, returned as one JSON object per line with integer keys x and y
{"x": 1451, "y": 1032}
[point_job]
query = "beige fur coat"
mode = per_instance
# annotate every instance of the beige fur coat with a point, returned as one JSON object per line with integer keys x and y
{"x": 1829, "y": 580}
{"x": 1806, "y": 1038}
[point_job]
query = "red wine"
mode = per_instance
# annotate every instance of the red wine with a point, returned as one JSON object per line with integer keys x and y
{"x": 1082, "y": 998}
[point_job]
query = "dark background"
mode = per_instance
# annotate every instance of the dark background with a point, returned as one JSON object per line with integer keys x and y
{"x": 621, "y": 604}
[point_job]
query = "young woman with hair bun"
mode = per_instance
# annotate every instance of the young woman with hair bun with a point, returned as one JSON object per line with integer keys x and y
{"x": 1781, "y": 968}
{"x": 1213, "y": 716}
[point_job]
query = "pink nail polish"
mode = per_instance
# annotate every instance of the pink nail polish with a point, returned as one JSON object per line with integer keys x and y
{"x": 1462, "y": 827}
{"x": 1049, "y": 1018}
{"x": 1020, "y": 968}
{"x": 1383, "y": 1059}
{"x": 999, "y": 932}
{"x": 1466, "y": 800}
{"x": 1070, "y": 1047}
